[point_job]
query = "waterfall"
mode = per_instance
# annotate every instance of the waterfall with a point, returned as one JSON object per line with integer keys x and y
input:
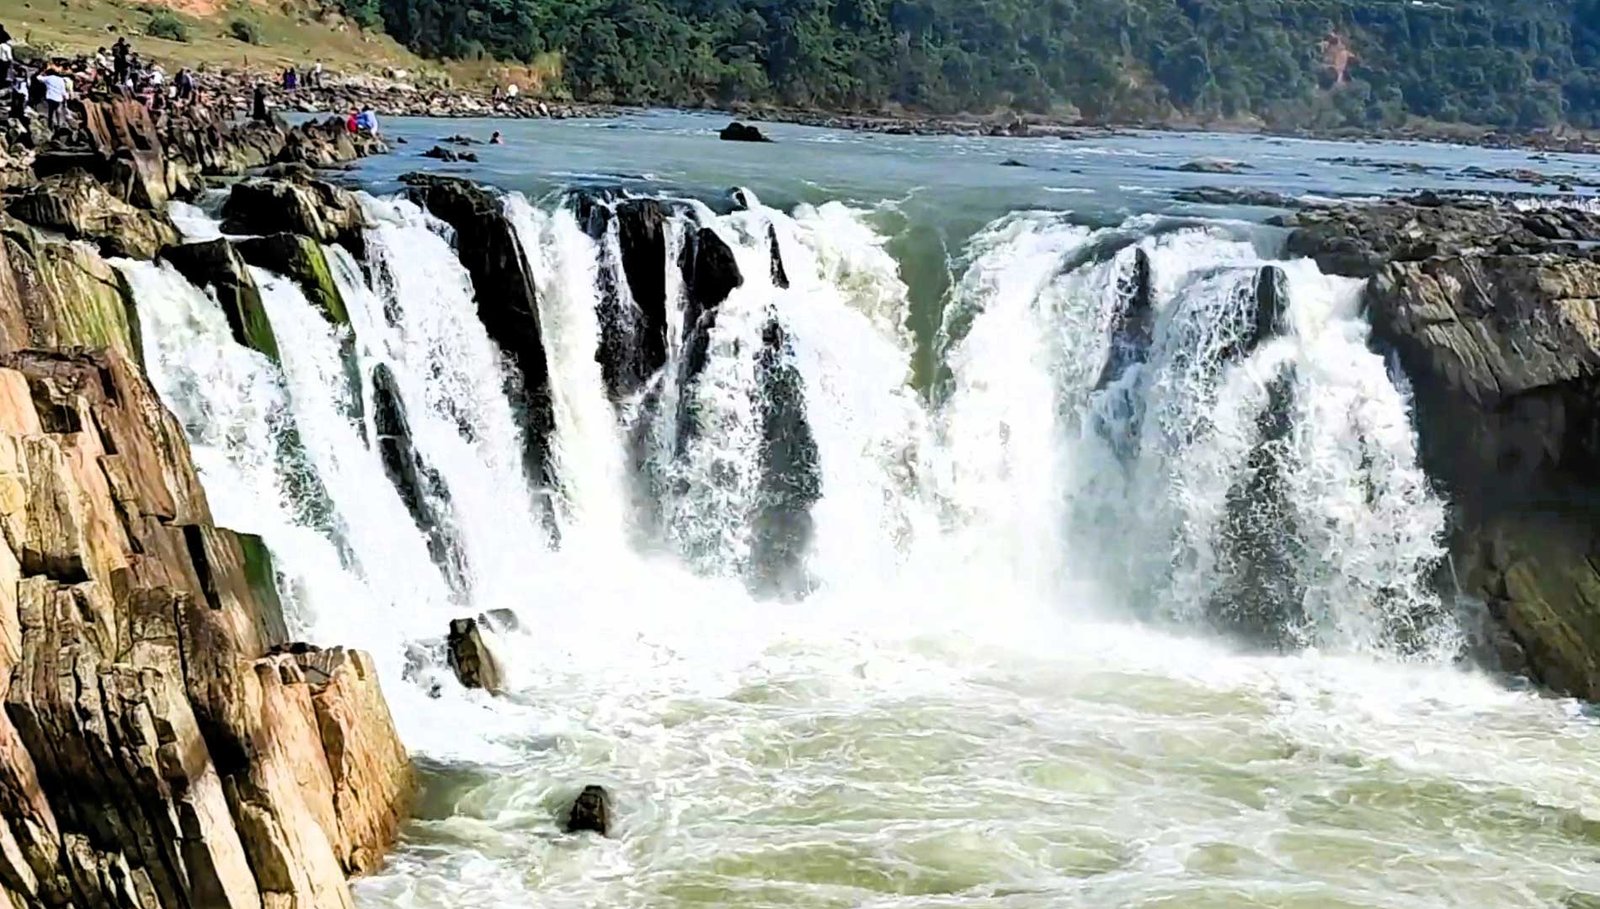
{"x": 1157, "y": 419}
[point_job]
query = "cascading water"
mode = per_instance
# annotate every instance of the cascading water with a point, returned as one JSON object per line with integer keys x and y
{"x": 1156, "y": 421}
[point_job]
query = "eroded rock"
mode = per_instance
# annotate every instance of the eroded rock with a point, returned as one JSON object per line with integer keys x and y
{"x": 590, "y": 812}
{"x": 471, "y": 659}
{"x": 312, "y": 208}
{"x": 80, "y": 207}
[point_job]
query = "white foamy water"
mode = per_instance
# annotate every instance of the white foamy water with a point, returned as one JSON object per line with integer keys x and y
{"x": 1003, "y": 689}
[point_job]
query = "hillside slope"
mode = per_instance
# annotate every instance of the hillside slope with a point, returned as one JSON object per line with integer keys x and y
{"x": 291, "y": 32}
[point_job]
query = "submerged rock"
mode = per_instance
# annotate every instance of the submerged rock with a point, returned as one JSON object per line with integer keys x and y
{"x": 742, "y": 132}
{"x": 1213, "y": 166}
{"x": 1134, "y": 323}
{"x": 217, "y": 265}
{"x": 791, "y": 479}
{"x": 590, "y": 812}
{"x": 471, "y": 659}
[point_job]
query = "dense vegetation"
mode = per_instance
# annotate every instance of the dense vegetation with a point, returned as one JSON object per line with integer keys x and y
{"x": 1510, "y": 63}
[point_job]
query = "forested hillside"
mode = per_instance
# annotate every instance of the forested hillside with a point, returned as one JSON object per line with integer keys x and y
{"x": 1321, "y": 63}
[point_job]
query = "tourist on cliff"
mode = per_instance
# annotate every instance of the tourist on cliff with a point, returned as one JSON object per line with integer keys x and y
{"x": 119, "y": 57}
{"x": 314, "y": 79}
{"x": 56, "y": 93}
{"x": 18, "y": 108}
{"x": 367, "y": 121}
{"x": 7, "y": 56}
{"x": 258, "y": 108}
{"x": 183, "y": 85}
{"x": 291, "y": 79}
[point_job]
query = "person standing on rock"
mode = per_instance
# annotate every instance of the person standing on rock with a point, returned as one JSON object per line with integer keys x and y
{"x": 19, "y": 94}
{"x": 315, "y": 79}
{"x": 258, "y": 107}
{"x": 7, "y": 57}
{"x": 119, "y": 57}
{"x": 183, "y": 83}
{"x": 56, "y": 92}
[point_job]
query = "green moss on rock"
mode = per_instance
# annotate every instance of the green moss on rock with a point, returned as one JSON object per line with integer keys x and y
{"x": 217, "y": 265}
{"x": 303, "y": 260}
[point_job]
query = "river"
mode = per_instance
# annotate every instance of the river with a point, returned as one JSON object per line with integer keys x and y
{"x": 1072, "y": 625}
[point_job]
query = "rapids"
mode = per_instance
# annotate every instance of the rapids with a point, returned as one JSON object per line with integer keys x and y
{"x": 1131, "y": 603}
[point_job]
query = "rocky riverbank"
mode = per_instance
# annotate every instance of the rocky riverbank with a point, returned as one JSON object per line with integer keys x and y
{"x": 163, "y": 743}
{"x": 1493, "y": 311}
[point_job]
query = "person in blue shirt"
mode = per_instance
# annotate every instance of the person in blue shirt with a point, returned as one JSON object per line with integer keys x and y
{"x": 367, "y": 121}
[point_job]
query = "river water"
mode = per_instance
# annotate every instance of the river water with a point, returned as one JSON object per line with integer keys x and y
{"x": 1078, "y": 625}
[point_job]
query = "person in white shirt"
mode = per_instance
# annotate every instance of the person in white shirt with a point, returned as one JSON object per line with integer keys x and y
{"x": 56, "y": 93}
{"x": 157, "y": 75}
{"x": 511, "y": 92}
{"x": 7, "y": 55}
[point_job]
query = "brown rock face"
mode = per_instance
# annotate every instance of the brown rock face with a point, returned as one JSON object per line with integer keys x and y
{"x": 82, "y": 208}
{"x": 151, "y": 754}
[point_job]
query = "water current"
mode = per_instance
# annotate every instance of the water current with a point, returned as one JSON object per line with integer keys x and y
{"x": 1116, "y": 581}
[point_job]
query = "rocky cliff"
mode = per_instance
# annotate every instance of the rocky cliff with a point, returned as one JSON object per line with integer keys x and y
{"x": 1494, "y": 314}
{"x": 162, "y": 744}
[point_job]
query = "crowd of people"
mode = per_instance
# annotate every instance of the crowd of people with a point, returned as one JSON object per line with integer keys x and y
{"x": 45, "y": 88}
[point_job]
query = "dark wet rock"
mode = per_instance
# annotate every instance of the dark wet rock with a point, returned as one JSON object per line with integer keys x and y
{"x": 471, "y": 659}
{"x": 318, "y": 210}
{"x": 1213, "y": 166}
{"x": 633, "y": 342}
{"x": 502, "y": 279}
{"x": 217, "y": 265}
{"x": 1212, "y": 195}
{"x": 1263, "y": 319}
{"x": 710, "y": 273}
{"x": 79, "y": 206}
{"x": 742, "y": 132}
{"x": 780, "y": 274}
{"x": 459, "y": 139}
{"x": 301, "y": 259}
{"x": 1012, "y": 162}
{"x": 441, "y": 153}
{"x": 591, "y": 812}
{"x": 1258, "y": 547}
{"x": 791, "y": 479}
{"x": 1490, "y": 311}
{"x": 1134, "y": 323}
{"x": 421, "y": 488}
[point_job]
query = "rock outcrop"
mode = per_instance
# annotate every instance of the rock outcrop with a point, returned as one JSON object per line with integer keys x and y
{"x": 1492, "y": 313}
{"x": 591, "y": 812}
{"x": 216, "y": 265}
{"x": 152, "y": 752}
{"x": 300, "y": 258}
{"x": 471, "y": 658}
{"x": 502, "y": 280}
{"x": 79, "y": 206}
{"x": 633, "y": 339}
{"x": 742, "y": 132}
{"x": 311, "y": 208}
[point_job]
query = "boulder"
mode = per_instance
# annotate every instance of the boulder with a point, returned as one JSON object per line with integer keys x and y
{"x": 217, "y": 266}
{"x": 300, "y": 258}
{"x": 421, "y": 488}
{"x": 80, "y": 207}
{"x": 445, "y": 154}
{"x": 318, "y": 210}
{"x": 742, "y": 132}
{"x": 502, "y": 280}
{"x": 590, "y": 812}
{"x": 474, "y": 664}
{"x": 710, "y": 273}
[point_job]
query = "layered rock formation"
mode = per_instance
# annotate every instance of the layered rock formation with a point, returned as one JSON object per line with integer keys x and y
{"x": 161, "y": 744}
{"x": 1494, "y": 314}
